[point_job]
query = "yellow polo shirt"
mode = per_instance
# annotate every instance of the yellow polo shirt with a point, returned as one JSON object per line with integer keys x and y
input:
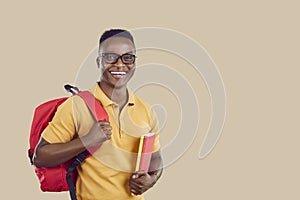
{"x": 105, "y": 175}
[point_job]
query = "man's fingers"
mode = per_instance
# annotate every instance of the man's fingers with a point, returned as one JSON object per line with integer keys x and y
{"x": 138, "y": 178}
{"x": 106, "y": 127}
{"x": 108, "y": 136}
{"x": 108, "y": 133}
{"x": 136, "y": 185}
{"x": 135, "y": 192}
{"x": 135, "y": 188}
{"x": 103, "y": 122}
{"x": 139, "y": 181}
{"x": 138, "y": 174}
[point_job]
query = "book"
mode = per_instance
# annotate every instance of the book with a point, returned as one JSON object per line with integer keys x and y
{"x": 145, "y": 152}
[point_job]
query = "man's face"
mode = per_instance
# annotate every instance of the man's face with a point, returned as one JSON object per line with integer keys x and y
{"x": 118, "y": 72}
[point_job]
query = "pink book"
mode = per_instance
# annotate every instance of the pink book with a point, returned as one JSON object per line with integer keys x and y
{"x": 145, "y": 152}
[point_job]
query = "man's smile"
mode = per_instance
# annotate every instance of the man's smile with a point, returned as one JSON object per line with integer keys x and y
{"x": 118, "y": 74}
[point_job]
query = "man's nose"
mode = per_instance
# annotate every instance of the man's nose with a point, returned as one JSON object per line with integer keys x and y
{"x": 119, "y": 63}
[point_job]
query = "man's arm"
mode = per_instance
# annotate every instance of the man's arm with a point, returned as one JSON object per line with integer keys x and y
{"x": 141, "y": 181}
{"x": 156, "y": 165}
{"x": 51, "y": 155}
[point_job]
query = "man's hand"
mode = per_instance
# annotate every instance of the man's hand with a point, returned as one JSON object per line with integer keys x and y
{"x": 99, "y": 133}
{"x": 140, "y": 182}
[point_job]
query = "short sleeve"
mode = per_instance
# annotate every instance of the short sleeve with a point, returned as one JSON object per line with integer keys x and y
{"x": 62, "y": 127}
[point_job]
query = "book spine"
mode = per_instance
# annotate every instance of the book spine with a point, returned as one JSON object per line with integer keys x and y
{"x": 139, "y": 155}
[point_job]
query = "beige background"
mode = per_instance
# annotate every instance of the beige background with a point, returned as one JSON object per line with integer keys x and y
{"x": 255, "y": 44}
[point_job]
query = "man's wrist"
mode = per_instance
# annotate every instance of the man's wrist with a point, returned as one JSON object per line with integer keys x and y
{"x": 155, "y": 177}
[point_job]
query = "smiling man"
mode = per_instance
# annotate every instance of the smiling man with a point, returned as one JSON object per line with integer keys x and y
{"x": 109, "y": 173}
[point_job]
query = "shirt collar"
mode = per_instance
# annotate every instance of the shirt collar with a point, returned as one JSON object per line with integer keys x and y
{"x": 105, "y": 101}
{"x": 130, "y": 97}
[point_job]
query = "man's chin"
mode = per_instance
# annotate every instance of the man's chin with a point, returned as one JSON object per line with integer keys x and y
{"x": 118, "y": 85}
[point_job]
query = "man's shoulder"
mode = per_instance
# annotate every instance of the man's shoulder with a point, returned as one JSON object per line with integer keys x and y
{"x": 71, "y": 102}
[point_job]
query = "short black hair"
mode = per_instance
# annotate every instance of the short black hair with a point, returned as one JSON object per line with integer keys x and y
{"x": 115, "y": 33}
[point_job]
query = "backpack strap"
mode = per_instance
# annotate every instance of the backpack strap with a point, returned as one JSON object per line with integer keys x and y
{"x": 94, "y": 105}
{"x": 71, "y": 185}
{"x": 99, "y": 114}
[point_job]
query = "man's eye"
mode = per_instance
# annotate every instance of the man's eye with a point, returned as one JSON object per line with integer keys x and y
{"x": 110, "y": 57}
{"x": 128, "y": 57}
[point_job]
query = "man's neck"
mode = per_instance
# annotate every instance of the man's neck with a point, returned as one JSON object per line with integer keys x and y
{"x": 116, "y": 94}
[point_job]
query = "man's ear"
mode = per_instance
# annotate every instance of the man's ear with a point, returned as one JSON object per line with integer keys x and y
{"x": 98, "y": 61}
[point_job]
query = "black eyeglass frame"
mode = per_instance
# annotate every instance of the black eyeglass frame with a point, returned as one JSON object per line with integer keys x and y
{"x": 118, "y": 57}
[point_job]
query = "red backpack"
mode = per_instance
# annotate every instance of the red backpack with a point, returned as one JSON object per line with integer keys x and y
{"x": 62, "y": 177}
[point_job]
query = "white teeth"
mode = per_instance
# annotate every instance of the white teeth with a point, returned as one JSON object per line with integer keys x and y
{"x": 118, "y": 73}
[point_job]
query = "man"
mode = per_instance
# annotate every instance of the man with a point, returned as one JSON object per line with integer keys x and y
{"x": 109, "y": 173}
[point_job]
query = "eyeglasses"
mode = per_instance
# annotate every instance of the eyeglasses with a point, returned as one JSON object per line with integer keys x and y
{"x": 112, "y": 58}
